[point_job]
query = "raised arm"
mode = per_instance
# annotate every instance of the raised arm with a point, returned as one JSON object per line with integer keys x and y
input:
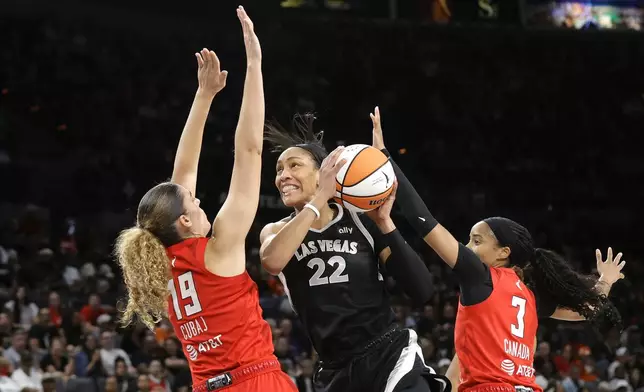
{"x": 415, "y": 211}
{"x": 280, "y": 240}
{"x": 610, "y": 271}
{"x": 236, "y": 215}
{"x": 211, "y": 81}
{"x": 396, "y": 255}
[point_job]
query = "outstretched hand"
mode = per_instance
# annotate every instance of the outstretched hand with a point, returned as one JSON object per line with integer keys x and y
{"x": 378, "y": 139}
{"x": 610, "y": 270}
{"x": 211, "y": 78}
{"x": 253, "y": 49}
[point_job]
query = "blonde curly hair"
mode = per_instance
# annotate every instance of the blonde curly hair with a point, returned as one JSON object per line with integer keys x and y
{"x": 141, "y": 253}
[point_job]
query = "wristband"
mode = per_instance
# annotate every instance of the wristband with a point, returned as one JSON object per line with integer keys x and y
{"x": 314, "y": 209}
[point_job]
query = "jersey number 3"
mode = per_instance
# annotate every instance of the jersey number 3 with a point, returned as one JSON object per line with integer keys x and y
{"x": 518, "y": 329}
{"x": 319, "y": 266}
{"x": 187, "y": 290}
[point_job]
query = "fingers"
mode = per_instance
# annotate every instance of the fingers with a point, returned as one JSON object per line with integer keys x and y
{"x": 224, "y": 76}
{"x": 617, "y": 258}
{"x": 621, "y": 276}
{"x": 331, "y": 159}
{"x": 339, "y": 165}
{"x": 394, "y": 189}
{"x": 214, "y": 60}
{"x": 247, "y": 24}
{"x": 598, "y": 256}
{"x": 621, "y": 265}
{"x": 609, "y": 254}
{"x": 200, "y": 62}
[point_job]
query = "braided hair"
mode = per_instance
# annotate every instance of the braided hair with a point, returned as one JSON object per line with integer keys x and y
{"x": 551, "y": 277}
{"x": 302, "y": 135}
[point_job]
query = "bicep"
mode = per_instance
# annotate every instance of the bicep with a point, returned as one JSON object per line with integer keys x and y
{"x": 566, "y": 315}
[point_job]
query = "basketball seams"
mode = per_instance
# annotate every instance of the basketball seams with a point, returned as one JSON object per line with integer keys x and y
{"x": 355, "y": 157}
{"x": 346, "y": 181}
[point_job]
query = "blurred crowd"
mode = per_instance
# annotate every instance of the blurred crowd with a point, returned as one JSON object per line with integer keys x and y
{"x": 537, "y": 126}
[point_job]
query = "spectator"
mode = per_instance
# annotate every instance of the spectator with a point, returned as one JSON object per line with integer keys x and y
{"x": 27, "y": 376}
{"x": 56, "y": 360}
{"x": 123, "y": 379}
{"x": 7, "y": 384}
{"x": 158, "y": 379}
{"x": 55, "y": 309}
{"x": 23, "y": 311}
{"x": 18, "y": 344}
{"x": 43, "y": 329}
{"x": 92, "y": 310}
{"x": 88, "y": 359}
{"x": 109, "y": 354}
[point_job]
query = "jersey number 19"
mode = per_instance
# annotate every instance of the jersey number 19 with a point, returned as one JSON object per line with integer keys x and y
{"x": 187, "y": 290}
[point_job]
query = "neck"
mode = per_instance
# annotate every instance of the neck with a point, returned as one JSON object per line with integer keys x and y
{"x": 326, "y": 215}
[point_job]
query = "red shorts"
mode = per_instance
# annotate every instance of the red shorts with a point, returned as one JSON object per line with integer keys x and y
{"x": 264, "y": 376}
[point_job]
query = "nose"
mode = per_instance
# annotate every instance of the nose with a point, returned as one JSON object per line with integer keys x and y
{"x": 285, "y": 175}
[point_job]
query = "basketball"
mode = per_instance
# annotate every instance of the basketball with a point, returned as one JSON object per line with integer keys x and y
{"x": 366, "y": 180}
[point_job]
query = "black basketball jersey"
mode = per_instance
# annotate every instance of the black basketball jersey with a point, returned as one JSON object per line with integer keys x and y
{"x": 335, "y": 286}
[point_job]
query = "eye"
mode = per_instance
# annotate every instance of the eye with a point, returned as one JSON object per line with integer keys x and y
{"x": 476, "y": 241}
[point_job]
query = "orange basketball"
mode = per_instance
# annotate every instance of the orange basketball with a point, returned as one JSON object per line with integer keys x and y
{"x": 366, "y": 180}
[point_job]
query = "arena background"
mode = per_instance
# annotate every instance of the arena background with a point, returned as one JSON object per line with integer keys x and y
{"x": 527, "y": 109}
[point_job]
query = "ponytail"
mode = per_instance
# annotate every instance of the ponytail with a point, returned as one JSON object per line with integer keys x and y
{"x": 554, "y": 281}
{"x": 146, "y": 271}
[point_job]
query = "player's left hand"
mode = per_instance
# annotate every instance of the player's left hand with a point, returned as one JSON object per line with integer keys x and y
{"x": 382, "y": 214}
{"x": 610, "y": 270}
{"x": 378, "y": 139}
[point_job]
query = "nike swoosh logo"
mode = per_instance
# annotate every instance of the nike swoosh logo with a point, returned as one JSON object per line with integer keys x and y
{"x": 519, "y": 285}
{"x": 421, "y": 218}
{"x": 173, "y": 260}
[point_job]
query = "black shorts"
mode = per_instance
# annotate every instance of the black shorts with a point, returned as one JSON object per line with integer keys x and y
{"x": 395, "y": 364}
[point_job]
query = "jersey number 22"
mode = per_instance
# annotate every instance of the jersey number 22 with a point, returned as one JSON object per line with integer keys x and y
{"x": 187, "y": 290}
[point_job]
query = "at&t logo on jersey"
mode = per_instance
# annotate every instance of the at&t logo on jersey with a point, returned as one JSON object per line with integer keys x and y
{"x": 192, "y": 353}
{"x": 508, "y": 366}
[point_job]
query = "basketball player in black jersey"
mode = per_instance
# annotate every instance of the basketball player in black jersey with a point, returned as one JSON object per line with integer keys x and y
{"x": 331, "y": 262}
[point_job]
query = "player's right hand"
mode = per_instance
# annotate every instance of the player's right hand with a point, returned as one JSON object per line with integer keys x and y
{"x": 328, "y": 171}
{"x": 211, "y": 78}
{"x": 253, "y": 49}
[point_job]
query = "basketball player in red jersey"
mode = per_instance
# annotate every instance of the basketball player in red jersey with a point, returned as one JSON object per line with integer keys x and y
{"x": 170, "y": 266}
{"x": 506, "y": 284}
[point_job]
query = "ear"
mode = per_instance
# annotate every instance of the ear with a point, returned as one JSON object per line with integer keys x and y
{"x": 504, "y": 253}
{"x": 184, "y": 220}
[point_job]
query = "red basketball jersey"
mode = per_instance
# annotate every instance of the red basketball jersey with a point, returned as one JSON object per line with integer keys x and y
{"x": 217, "y": 319}
{"x": 494, "y": 339}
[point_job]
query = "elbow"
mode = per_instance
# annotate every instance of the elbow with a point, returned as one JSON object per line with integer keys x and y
{"x": 272, "y": 266}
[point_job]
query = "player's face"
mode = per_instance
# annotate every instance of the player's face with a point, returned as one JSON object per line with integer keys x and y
{"x": 297, "y": 177}
{"x": 485, "y": 245}
{"x": 194, "y": 220}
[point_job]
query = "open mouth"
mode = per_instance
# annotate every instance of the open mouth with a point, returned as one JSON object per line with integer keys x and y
{"x": 288, "y": 189}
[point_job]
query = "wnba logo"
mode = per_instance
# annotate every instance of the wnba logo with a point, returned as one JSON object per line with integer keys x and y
{"x": 377, "y": 202}
{"x": 507, "y": 366}
{"x": 192, "y": 353}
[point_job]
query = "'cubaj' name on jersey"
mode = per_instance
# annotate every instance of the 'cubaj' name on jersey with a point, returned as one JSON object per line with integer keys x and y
{"x": 334, "y": 284}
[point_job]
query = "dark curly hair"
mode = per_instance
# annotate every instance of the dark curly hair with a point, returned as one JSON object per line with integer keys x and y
{"x": 302, "y": 135}
{"x": 551, "y": 277}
